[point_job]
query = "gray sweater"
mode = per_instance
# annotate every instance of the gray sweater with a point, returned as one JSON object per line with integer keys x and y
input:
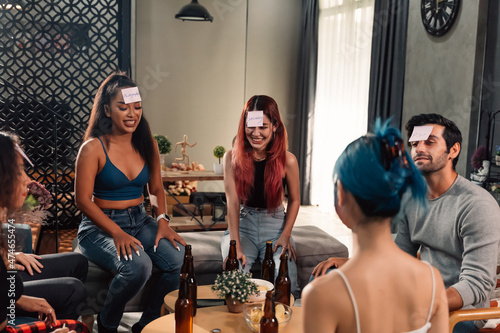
{"x": 459, "y": 234}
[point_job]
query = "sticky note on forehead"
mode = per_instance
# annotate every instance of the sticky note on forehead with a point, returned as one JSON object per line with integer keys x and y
{"x": 255, "y": 118}
{"x": 131, "y": 95}
{"x": 421, "y": 133}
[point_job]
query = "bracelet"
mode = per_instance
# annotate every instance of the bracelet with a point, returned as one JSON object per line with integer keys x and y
{"x": 163, "y": 216}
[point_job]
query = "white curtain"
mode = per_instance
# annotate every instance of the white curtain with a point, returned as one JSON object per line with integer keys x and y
{"x": 341, "y": 107}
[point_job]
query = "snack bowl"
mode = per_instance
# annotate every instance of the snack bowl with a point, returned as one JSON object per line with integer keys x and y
{"x": 264, "y": 286}
{"x": 253, "y": 312}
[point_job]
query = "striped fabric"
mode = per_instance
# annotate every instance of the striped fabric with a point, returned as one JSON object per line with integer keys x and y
{"x": 41, "y": 327}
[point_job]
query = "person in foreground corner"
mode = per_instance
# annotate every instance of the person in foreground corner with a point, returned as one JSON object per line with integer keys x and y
{"x": 256, "y": 172}
{"x": 117, "y": 159}
{"x": 54, "y": 286}
{"x": 381, "y": 288}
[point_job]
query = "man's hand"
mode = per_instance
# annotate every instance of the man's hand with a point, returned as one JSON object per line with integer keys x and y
{"x": 28, "y": 262}
{"x": 323, "y": 266}
{"x": 455, "y": 301}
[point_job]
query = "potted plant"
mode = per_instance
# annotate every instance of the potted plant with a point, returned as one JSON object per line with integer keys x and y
{"x": 219, "y": 152}
{"x": 164, "y": 146}
{"x": 235, "y": 286}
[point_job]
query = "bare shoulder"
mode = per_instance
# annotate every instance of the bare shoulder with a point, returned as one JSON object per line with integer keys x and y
{"x": 228, "y": 155}
{"x": 319, "y": 289}
{"x": 291, "y": 160}
{"x": 91, "y": 148}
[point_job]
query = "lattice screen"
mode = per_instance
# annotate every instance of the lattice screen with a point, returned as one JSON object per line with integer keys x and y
{"x": 58, "y": 52}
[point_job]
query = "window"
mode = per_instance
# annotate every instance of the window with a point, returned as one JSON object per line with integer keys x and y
{"x": 341, "y": 107}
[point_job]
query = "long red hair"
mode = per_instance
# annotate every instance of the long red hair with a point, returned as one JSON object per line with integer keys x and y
{"x": 242, "y": 157}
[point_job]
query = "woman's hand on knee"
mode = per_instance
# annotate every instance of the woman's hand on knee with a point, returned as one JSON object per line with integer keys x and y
{"x": 125, "y": 244}
{"x": 164, "y": 231}
{"x": 28, "y": 262}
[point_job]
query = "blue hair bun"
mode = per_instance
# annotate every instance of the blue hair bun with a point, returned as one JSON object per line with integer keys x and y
{"x": 377, "y": 170}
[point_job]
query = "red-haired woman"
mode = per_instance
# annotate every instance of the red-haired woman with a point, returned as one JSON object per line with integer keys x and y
{"x": 256, "y": 172}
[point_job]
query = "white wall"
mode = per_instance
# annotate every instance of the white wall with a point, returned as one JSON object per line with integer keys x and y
{"x": 192, "y": 74}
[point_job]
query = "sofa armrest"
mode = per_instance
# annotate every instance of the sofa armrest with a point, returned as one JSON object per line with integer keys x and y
{"x": 23, "y": 238}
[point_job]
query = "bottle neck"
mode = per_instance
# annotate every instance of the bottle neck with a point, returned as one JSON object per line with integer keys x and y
{"x": 283, "y": 271}
{"x": 269, "y": 305}
{"x": 184, "y": 287}
{"x": 269, "y": 251}
{"x": 232, "y": 251}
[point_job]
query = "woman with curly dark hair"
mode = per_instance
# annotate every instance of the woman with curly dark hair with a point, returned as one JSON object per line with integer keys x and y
{"x": 52, "y": 286}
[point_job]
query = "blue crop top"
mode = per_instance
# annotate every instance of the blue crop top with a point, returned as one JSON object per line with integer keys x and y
{"x": 112, "y": 184}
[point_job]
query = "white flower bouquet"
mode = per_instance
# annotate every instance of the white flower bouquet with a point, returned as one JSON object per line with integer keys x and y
{"x": 236, "y": 284}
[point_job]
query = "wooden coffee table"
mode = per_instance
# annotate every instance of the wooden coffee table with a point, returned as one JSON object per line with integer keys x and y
{"x": 203, "y": 293}
{"x": 218, "y": 317}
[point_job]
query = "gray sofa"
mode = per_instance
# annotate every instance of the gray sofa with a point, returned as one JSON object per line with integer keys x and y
{"x": 312, "y": 246}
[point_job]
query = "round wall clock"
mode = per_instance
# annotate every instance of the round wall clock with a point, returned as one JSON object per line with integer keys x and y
{"x": 438, "y": 15}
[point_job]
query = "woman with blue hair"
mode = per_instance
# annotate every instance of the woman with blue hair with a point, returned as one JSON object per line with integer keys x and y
{"x": 381, "y": 288}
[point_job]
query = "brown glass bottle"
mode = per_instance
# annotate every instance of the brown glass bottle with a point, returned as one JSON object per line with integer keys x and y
{"x": 232, "y": 260}
{"x": 268, "y": 322}
{"x": 183, "y": 308}
{"x": 283, "y": 285}
{"x": 268, "y": 265}
{"x": 188, "y": 268}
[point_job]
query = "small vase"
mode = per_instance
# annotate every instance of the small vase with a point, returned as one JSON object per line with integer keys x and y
{"x": 162, "y": 161}
{"x": 234, "y": 306}
{"x": 497, "y": 160}
{"x": 218, "y": 169}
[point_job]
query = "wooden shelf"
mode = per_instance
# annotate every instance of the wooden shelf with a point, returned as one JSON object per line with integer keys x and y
{"x": 173, "y": 176}
{"x": 186, "y": 223}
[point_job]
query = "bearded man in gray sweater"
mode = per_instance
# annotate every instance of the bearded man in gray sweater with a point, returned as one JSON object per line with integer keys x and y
{"x": 458, "y": 232}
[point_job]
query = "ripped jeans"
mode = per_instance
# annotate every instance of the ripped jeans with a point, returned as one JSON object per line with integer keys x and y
{"x": 256, "y": 227}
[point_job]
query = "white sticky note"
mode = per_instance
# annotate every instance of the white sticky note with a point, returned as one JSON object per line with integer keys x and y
{"x": 131, "y": 95}
{"x": 421, "y": 133}
{"x": 255, "y": 118}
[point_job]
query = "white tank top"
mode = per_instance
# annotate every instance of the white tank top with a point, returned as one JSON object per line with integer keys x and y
{"x": 422, "y": 329}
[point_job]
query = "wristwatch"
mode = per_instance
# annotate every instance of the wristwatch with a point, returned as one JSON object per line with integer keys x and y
{"x": 163, "y": 216}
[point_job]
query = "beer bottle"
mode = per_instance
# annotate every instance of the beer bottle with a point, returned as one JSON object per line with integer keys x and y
{"x": 268, "y": 266}
{"x": 188, "y": 268}
{"x": 232, "y": 260}
{"x": 268, "y": 322}
{"x": 283, "y": 285}
{"x": 183, "y": 308}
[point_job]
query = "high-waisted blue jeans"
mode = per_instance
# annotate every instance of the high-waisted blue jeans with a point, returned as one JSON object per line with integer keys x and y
{"x": 131, "y": 275}
{"x": 256, "y": 227}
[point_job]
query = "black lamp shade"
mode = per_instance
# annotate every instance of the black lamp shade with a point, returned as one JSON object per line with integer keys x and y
{"x": 194, "y": 12}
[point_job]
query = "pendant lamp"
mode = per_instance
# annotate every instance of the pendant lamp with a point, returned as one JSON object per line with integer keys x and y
{"x": 194, "y": 12}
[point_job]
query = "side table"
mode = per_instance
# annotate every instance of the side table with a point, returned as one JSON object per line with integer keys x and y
{"x": 187, "y": 223}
